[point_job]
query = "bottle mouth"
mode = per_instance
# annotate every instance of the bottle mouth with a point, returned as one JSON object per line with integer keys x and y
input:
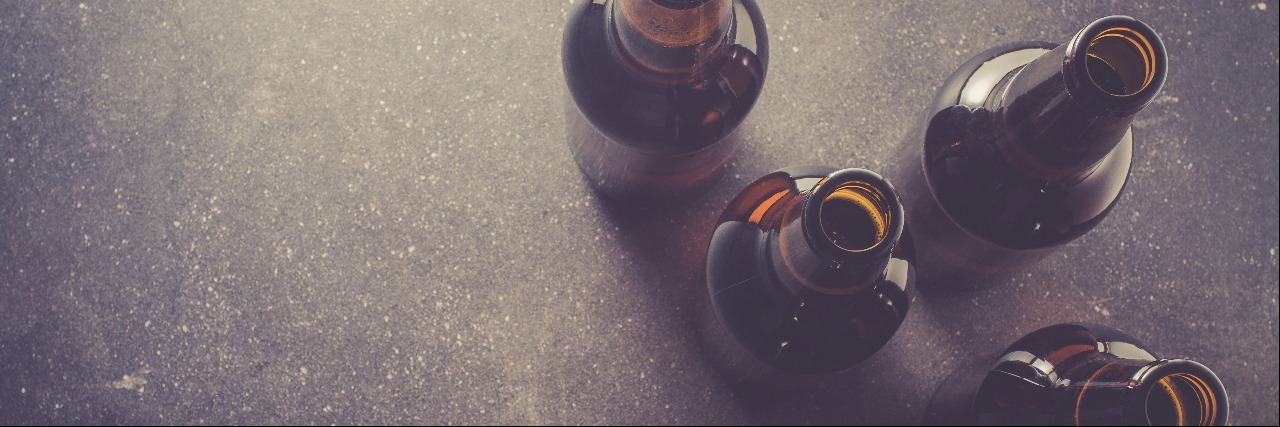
{"x": 1121, "y": 61}
{"x": 1116, "y": 63}
{"x": 857, "y": 212}
{"x": 1180, "y": 392}
{"x": 855, "y": 216}
{"x": 675, "y": 23}
{"x": 679, "y": 4}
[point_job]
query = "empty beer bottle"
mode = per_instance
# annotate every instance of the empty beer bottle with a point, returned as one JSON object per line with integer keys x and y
{"x": 1079, "y": 374}
{"x": 1026, "y": 147}
{"x": 657, "y": 88}
{"x": 808, "y": 272}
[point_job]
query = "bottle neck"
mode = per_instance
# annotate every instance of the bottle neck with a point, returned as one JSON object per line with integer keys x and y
{"x": 838, "y": 237}
{"x": 1061, "y": 114}
{"x": 671, "y": 37}
{"x": 1111, "y": 390}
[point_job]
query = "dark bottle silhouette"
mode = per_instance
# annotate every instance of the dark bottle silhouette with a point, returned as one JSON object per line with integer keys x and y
{"x": 1083, "y": 375}
{"x": 1027, "y": 147}
{"x": 808, "y": 272}
{"x": 657, "y": 88}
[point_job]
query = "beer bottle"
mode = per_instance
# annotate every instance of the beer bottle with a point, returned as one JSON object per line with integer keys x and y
{"x": 1026, "y": 147}
{"x": 657, "y": 88}
{"x": 1080, "y": 374}
{"x": 808, "y": 272}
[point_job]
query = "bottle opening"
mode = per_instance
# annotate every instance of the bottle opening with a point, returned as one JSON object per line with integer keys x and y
{"x": 856, "y": 216}
{"x": 1182, "y": 399}
{"x": 679, "y": 4}
{"x": 1121, "y": 61}
{"x": 676, "y": 23}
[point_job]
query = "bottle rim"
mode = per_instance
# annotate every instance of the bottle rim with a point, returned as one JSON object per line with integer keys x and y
{"x": 1203, "y": 398}
{"x": 1114, "y": 40}
{"x": 881, "y": 201}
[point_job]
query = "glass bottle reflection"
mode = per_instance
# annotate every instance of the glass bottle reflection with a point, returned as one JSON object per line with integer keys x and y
{"x": 657, "y": 88}
{"x": 1027, "y": 147}
{"x": 808, "y": 272}
{"x": 1083, "y": 375}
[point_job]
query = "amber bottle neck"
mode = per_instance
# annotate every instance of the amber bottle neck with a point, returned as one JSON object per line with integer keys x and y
{"x": 1061, "y": 114}
{"x": 837, "y": 239}
{"x": 671, "y": 37}
{"x": 1110, "y": 390}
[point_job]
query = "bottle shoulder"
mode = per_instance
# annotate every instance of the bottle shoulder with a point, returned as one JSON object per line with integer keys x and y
{"x": 798, "y": 332}
{"x": 976, "y": 188}
{"x": 767, "y": 194}
{"x": 972, "y": 84}
{"x": 665, "y": 116}
{"x": 1059, "y": 342}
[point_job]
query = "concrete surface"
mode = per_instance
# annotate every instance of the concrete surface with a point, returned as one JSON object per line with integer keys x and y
{"x": 340, "y": 212}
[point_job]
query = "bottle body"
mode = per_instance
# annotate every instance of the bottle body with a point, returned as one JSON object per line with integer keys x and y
{"x": 778, "y": 310}
{"x": 1015, "y": 158}
{"x": 1081, "y": 374}
{"x": 650, "y": 116}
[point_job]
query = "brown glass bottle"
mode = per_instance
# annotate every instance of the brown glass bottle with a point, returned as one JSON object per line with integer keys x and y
{"x": 808, "y": 272}
{"x": 657, "y": 88}
{"x": 1026, "y": 147}
{"x": 1080, "y": 374}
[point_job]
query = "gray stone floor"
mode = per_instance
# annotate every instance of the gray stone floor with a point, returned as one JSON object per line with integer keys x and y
{"x": 341, "y": 212}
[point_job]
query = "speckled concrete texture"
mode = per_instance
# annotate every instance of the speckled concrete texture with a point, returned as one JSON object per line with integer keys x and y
{"x": 350, "y": 212}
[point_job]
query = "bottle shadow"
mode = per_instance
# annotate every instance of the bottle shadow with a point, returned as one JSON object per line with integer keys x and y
{"x": 668, "y": 240}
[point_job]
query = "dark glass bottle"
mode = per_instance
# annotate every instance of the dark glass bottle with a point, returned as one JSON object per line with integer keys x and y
{"x": 1083, "y": 375}
{"x": 1026, "y": 147}
{"x": 657, "y": 88}
{"x": 808, "y": 272}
